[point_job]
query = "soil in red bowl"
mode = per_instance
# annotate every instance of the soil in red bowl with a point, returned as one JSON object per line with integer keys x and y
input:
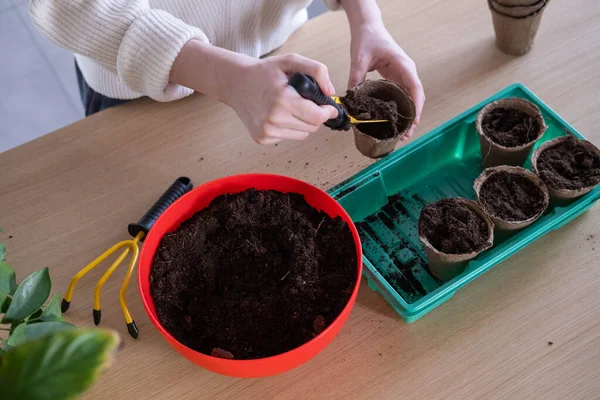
{"x": 511, "y": 197}
{"x": 569, "y": 165}
{"x": 509, "y": 127}
{"x": 453, "y": 228}
{"x": 253, "y": 275}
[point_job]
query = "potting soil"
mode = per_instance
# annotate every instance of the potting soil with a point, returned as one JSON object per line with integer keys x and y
{"x": 453, "y": 228}
{"x": 511, "y": 197}
{"x": 364, "y": 108}
{"x": 253, "y": 275}
{"x": 569, "y": 165}
{"x": 510, "y": 127}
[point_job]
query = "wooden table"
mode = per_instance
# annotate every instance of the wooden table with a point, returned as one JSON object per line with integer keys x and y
{"x": 69, "y": 195}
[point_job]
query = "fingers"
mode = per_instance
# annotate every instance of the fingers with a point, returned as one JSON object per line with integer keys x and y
{"x": 358, "y": 70}
{"x": 404, "y": 71}
{"x": 418, "y": 95}
{"x": 291, "y": 63}
{"x": 409, "y": 134}
{"x": 266, "y": 141}
{"x": 308, "y": 111}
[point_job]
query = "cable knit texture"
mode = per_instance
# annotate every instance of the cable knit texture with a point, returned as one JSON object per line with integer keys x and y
{"x": 126, "y": 48}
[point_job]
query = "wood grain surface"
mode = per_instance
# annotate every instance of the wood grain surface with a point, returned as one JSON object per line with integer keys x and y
{"x": 69, "y": 195}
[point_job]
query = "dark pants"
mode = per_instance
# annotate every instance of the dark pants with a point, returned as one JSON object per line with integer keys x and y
{"x": 93, "y": 101}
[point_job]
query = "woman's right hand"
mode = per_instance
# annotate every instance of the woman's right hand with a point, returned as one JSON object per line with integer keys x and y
{"x": 272, "y": 110}
{"x": 257, "y": 89}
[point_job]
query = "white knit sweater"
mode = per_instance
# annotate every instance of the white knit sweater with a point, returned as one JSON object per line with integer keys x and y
{"x": 126, "y": 48}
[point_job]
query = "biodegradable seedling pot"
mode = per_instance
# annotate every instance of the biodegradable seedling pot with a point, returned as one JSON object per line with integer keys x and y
{"x": 556, "y": 193}
{"x": 494, "y": 154}
{"x": 518, "y": 11}
{"x": 515, "y": 35}
{"x": 518, "y": 3}
{"x": 501, "y": 223}
{"x": 445, "y": 266}
{"x": 387, "y": 91}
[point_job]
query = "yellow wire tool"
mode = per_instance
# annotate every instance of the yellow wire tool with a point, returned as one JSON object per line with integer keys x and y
{"x": 138, "y": 231}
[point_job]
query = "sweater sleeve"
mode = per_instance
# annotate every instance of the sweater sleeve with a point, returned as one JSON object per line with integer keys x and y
{"x": 128, "y": 37}
{"x": 333, "y": 5}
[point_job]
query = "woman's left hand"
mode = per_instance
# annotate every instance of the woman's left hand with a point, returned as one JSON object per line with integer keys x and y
{"x": 373, "y": 49}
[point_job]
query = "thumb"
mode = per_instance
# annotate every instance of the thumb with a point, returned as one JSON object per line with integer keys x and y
{"x": 358, "y": 71}
{"x": 316, "y": 70}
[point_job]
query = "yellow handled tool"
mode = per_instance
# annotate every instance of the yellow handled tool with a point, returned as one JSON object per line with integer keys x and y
{"x": 138, "y": 231}
{"x": 308, "y": 88}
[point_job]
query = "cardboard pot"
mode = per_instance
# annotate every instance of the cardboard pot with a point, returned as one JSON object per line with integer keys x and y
{"x": 515, "y": 35}
{"x": 494, "y": 154}
{"x": 387, "y": 91}
{"x": 561, "y": 194}
{"x": 520, "y": 10}
{"x": 499, "y": 222}
{"x": 446, "y": 266}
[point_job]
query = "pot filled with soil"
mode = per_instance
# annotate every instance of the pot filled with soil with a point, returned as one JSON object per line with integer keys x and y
{"x": 508, "y": 129}
{"x": 570, "y": 167}
{"x": 512, "y": 197}
{"x": 518, "y": 11}
{"x": 251, "y": 275}
{"x": 516, "y": 26}
{"x": 375, "y": 100}
{"x": 454, "y": 231}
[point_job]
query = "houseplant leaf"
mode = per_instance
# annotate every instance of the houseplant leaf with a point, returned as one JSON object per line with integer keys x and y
{"x": 3, "y": 297}
{"x": 52, "y": 311}
{"x": 29, "y": 296}
{"x": 8, "y": 279}
{"x": 17, "y": 336}
{"x": 57, "y": 366}
{"x": 35, "y": 315}
{"x": 34, "y": 331}
{"x": 2, "y": 251}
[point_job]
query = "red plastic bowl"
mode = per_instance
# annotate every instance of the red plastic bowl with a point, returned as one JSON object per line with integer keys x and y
{"x": 196, "y": 200}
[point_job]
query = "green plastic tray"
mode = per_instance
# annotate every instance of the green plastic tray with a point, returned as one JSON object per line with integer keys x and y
{"x": 386, "y": 198}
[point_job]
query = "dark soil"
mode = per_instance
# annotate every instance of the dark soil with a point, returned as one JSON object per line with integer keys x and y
{"x": 253, "y": 275}
{"x": 511, "y": 197}
{"x": 453, "y": 228}
{"x": 509, "y": 127}
{"x": 569, "y": 165}
{"x": 366, "y": 108}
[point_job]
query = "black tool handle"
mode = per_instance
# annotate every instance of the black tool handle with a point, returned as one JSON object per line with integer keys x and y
{"x": 180, "y": 187}
{"x": 308, "y": 88}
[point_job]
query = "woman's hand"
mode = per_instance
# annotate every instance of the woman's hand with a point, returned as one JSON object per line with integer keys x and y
{"x": 257, "y": 90}
{"x": 270, "y": 108}
{"x": 373, "y": 49}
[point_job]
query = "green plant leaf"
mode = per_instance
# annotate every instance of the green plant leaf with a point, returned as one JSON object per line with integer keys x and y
{"x": 8, "y": 279}
{"x": 2, "y": 251}
{"x": 29, "y": 297}
{"x": 35, "y": 315}
{"x": 17, "y": 336}
{"x": 4, "y": 307}
{"x": 58, "y": 366}
{"x": 34, "y": 331}
{"x": 5, "y": 345}
{"x": 3, "y": 297}
{"x": 52, "y": 311}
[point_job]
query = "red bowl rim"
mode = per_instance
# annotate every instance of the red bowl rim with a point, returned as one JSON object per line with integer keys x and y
{"x": 299, "y": 349}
